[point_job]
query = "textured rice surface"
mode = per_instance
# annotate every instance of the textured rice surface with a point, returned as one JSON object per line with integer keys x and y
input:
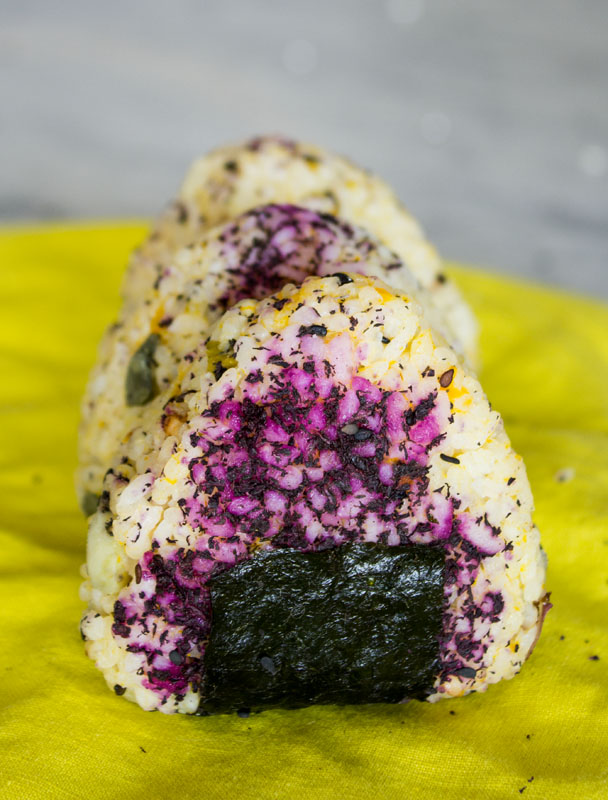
{"x": 327, "y": 413}
{"x": 233, "y": 179}
{"x": 251, "y": 256}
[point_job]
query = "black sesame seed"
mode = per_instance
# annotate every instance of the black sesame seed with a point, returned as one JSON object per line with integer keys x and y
{"x": 342, "y": 278}
{"x": 446, "y": 379}
{"x": 120, "y": 690}
{"x": 449, "y": 459}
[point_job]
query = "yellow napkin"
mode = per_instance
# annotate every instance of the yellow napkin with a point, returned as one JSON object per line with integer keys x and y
{"x": 63, "y": 734}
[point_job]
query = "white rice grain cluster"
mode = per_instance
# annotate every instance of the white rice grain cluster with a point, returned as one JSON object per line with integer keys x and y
{"x": 329, "y": 412}
{"x": 250, "y": 256}
{"x": 218, "y": 188}
{"x": 234, "y": 179}
{"x": 291, "y": 370}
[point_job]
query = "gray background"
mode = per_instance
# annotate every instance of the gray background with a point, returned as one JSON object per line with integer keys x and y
{"x": 490, "y": 118}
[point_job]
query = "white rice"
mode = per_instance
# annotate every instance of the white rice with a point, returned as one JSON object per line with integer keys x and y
{"x": 176, "y": 302}
{"x": 368, "y": 350}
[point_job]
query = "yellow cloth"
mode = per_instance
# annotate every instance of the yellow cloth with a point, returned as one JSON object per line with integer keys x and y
{"x": 63, "y": 734}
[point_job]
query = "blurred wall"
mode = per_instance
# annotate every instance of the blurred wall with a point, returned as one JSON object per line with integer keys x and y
{"x": 490, "y": 118}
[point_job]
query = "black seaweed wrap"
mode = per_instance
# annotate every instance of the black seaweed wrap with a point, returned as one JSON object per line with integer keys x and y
{"x": 357, "y": 623}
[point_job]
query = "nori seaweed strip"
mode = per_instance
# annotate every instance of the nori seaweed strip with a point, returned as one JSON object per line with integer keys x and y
{"x": 140, "y": 385}
{"x": 357, "y": 623}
